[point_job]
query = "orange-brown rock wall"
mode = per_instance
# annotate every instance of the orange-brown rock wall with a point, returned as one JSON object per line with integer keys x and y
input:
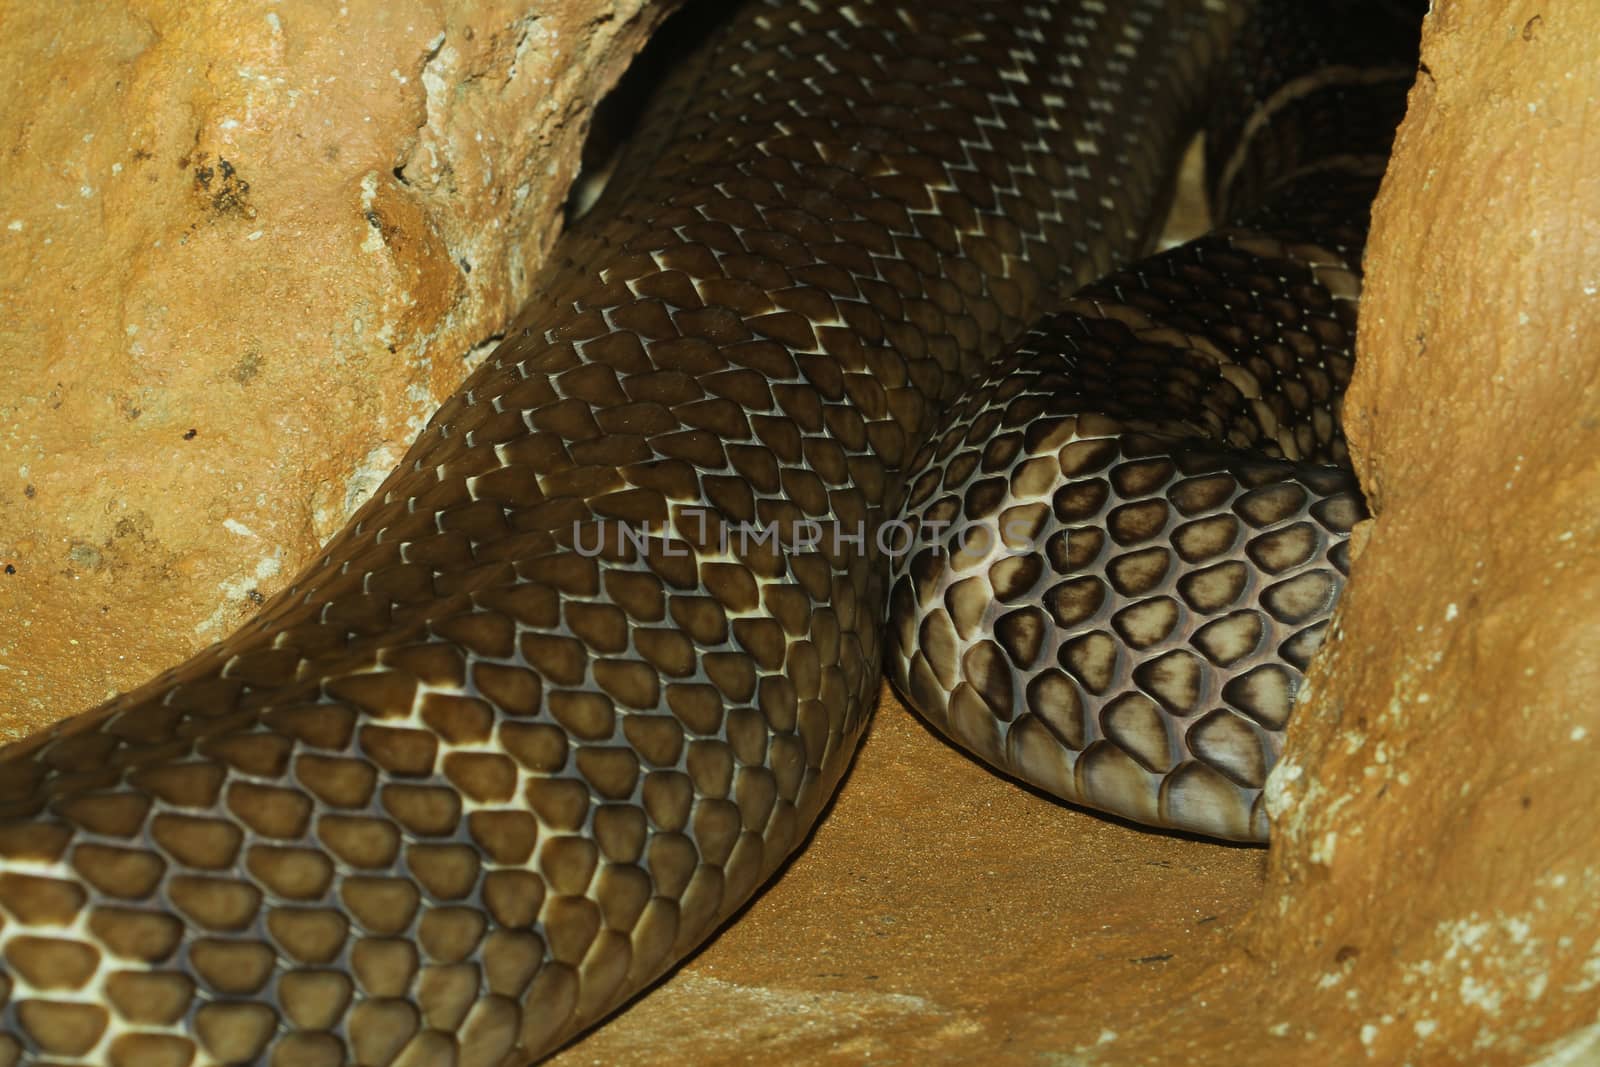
{"x": 1436, "y": 854}
{"x": 245, "y": 250}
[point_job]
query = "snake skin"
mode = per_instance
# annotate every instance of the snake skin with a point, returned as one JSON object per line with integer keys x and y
{"x": 497, "y": 760}
{"x": 1105, "y": 606}
{"x": 1126, "y": 540}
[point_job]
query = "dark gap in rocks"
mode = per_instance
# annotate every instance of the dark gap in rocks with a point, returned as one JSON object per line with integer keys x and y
{"x": 617, "y": 116}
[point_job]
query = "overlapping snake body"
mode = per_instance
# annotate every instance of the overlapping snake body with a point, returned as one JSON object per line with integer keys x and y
{"x": 498, "y": 758}
{"x": 1144, "y": 513}
{"x": 1131, "y": 531}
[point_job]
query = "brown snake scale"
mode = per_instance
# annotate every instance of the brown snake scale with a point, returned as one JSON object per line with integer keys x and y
{"x": 543, "y": 715}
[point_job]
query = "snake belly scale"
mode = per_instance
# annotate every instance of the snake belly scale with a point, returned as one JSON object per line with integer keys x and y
{"x": 540, "y": 718}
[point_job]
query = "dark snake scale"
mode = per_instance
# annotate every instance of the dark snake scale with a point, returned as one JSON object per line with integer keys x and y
{"x": 584, "y": 671}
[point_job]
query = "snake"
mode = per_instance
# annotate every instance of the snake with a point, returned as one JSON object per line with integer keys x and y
{"x": 584, "y": 671}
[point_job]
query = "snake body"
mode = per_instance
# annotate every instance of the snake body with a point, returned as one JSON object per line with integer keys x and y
{"x": 1128, "y": 536}
{"x": 547, "y": 710}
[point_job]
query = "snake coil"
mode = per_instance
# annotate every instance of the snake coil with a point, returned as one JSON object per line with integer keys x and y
{"x": 547, "y": 711}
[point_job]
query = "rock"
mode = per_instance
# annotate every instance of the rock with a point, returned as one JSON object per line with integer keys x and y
{"x": 242, "y": 258}
{"x": 1435, "y": 855}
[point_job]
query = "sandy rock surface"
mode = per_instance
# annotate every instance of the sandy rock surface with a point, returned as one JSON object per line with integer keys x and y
{"x": 244, "y": 252}
{"x": 1436, "y": 853}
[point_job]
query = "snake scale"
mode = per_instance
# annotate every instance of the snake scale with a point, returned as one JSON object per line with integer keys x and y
{"x": 586, "y": 668}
